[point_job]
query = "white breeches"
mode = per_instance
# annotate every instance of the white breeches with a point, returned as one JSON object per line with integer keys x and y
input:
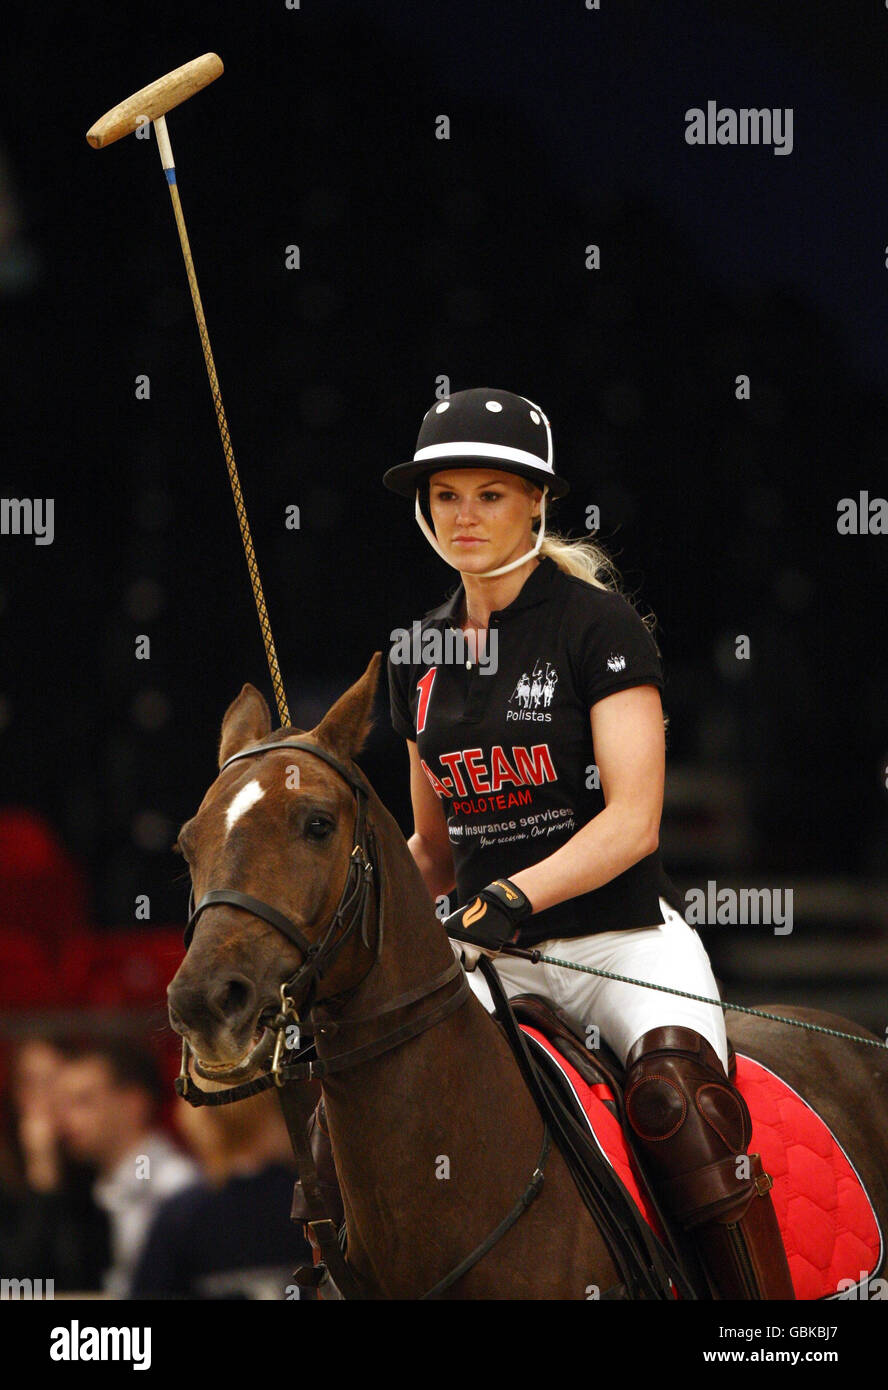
{"x": 670, "y": 953}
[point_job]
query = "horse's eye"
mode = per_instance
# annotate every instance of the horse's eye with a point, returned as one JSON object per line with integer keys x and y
{"x": 318, "y": 827}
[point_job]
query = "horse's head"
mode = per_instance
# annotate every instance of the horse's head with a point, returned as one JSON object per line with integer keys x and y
{"x": 278, "y": 827}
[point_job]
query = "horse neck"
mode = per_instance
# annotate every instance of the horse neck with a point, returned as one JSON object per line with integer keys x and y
{"x": 380, "y": 1113}
{"x": 452, "y": 1092}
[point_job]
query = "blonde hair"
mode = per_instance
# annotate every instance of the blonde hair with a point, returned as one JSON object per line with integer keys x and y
{"x": 583, "y": 559}
{"x": 587, "y": 560}
{"x": 590, "y": 562}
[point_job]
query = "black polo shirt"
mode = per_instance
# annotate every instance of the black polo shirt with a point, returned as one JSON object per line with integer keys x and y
{"x": 510, "y": 752}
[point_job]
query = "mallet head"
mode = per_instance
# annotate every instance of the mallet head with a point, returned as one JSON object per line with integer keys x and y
{"x": 155, "y": 100}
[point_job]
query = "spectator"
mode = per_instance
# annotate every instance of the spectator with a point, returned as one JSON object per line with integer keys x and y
{"x": 109, "y": 1101}
{"x": 50, "y": 1227}
{"x": 231, "y": 1235}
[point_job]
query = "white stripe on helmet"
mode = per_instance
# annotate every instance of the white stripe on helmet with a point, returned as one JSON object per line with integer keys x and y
{"x": 493, "y": 451}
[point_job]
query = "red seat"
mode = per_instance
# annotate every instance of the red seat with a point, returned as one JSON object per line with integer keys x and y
{"x": 28, "y": 975}
{"x": 43, "y": 892}
{"x": 133, "y": 966}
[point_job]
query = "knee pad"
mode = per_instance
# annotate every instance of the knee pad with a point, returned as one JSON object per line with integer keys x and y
{"x": 692, "y": 1123}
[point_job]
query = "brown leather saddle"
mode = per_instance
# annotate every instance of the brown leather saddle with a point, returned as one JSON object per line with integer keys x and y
{"x": 595, "y": 1065}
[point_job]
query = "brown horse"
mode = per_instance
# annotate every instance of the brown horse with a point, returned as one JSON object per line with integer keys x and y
{"x": 434, "y": 1140}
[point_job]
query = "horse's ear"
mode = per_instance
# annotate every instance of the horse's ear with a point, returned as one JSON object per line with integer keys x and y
{"x": 247, "y": 720}
{"x": 345, "y": 727}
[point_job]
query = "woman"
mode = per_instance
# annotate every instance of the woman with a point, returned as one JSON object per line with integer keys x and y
{"x": 532, "y": 714}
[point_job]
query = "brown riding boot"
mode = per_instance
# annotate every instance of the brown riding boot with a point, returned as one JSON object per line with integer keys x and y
{"x": 694, "y": 1128}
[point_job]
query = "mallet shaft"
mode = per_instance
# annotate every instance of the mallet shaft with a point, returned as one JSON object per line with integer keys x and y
{"x": 166, "y": 157}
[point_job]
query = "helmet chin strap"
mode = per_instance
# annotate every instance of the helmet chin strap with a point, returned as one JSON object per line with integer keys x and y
{"x": 503, "y": 569}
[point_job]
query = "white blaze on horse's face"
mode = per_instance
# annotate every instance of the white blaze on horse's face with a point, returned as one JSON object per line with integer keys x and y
{"x": 246, "y": 797}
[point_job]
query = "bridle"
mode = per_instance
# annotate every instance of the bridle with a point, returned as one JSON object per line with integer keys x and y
{"x": 298, "y": 1103}
{"x": 291, "y": 1022}
{"x": 318, "y": 956}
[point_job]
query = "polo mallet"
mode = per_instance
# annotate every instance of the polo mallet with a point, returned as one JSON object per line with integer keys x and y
{"x": 151, "y": 104}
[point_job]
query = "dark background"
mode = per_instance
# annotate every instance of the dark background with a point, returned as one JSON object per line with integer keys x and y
{"x": 463, "y": 258}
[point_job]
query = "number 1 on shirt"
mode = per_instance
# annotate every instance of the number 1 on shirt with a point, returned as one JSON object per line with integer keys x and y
{"x": 425, "y": 689}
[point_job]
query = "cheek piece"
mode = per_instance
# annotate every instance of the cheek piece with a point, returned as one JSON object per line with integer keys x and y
{"x": 503, "y": 569}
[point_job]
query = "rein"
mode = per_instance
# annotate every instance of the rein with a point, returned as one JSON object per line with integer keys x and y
{"x": 535, "y": 957}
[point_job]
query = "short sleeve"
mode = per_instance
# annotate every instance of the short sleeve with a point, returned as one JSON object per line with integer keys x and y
{"x": 618, "y": 653}
{"x": 398, "y": 682}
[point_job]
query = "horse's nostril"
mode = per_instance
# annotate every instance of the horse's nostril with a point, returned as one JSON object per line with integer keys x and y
{"x": 231, "y": 998}
{"x": 230, "y": 1001}
{"x": 235, "y": 996}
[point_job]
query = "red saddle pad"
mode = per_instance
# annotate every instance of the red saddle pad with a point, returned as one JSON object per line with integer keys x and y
{"x": 829, "y": 1227}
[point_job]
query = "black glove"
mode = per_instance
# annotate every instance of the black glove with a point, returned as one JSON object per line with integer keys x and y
{"x": 492, "y": 917}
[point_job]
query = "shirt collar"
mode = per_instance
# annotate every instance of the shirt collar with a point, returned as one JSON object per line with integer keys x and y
{"x": 536, "y": 589}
